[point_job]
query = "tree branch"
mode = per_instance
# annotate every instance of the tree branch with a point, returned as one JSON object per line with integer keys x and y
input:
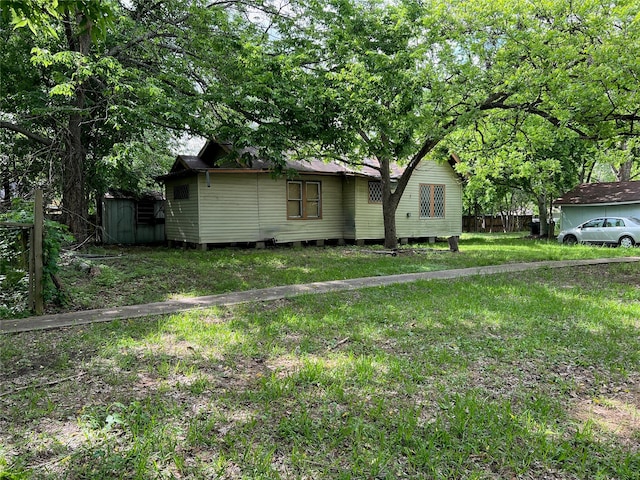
{"x": 115, "y": 51}
{"x": 27, "y": 133}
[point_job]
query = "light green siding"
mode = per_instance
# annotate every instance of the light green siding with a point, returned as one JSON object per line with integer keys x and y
{"x": 430, "y": 172}
{"x": 249, "y": 207}
{"x": 369, "y": 223}
{"x": 229, "y": 208}
{"x": 349, "y": 207}
{"x": 252, "y": 207}
{"x": 273, "y": 222}
{"x": 181, "y": 216}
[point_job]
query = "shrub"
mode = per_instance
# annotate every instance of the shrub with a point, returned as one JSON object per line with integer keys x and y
{"x": 14, "y": 281}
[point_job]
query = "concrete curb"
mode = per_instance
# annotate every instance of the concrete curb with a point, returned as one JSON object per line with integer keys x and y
{"x": 70, "y": 319}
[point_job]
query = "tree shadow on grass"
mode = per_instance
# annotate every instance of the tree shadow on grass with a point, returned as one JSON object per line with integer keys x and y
{"x": 474, "y": 377}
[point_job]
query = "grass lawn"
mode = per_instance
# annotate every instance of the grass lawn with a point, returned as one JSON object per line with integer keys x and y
{"x": 529, "y": 375}
{"x": 129, "y": 276}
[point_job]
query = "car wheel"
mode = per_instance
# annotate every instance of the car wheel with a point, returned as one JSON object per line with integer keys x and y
{"x": 626, "y": 242}
{"x": 570, "y": 240}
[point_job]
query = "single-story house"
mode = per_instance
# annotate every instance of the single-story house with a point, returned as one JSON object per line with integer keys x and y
{"x": 220, "y": 198}
{"x": 589, "y": 200}
{"x": 132, "y": 219}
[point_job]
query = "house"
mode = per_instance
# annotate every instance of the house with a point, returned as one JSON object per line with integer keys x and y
{"x": 591, "y": 200}
{"x": 131, "y": 219}
{"x": 217, "y": 197}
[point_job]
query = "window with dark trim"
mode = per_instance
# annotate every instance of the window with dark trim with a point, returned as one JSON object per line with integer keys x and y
{"x": 375, "y": 192}
{"x": 304, "y": 200}
{"x": 432, "y": 200}
{"x": 181, "y": 192}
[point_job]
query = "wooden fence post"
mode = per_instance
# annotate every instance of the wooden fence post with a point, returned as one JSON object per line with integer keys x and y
{"x": 38, "y": 231}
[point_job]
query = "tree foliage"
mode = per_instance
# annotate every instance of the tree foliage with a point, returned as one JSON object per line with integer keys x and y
{"x": 85, "y": 100}
{"x": 359, "y": 80}
{"x": 14, "y": 254}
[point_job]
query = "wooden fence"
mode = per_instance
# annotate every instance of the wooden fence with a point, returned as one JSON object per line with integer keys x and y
{"x": 498, "y": 223}
{"x": 32, "y": 234}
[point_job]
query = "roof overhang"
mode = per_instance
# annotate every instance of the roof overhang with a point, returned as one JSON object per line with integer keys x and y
{"x": 599, "y": 204}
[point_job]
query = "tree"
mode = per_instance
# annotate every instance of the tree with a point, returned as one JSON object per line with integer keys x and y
{"x": 362, "y": 82}
{"x": 388, "y": 82}
{"x": 529, "y": 154}
{"x": 357, "y": 80}
{"x": 86, "y": 97}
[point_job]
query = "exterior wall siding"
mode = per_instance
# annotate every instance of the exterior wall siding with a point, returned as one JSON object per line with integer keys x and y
{"x": 229, "y": 208}
{"x": 118, "y": 221}
{"x": 349, "y": 185}
{"x": 412, "y": 226}
{"x": 369, "y": 221}
{"x": 573, "y": 215}
{"x": 275, "y": 225}
{"x": 253, "y": 207}
{"x": 181, "y": 216}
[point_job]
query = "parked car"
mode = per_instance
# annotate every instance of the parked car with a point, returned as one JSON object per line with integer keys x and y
{"x": 623, "y": 231}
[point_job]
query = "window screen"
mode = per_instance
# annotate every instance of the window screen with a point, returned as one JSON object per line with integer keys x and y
{"x": 375, "y": 192}
{"x": 432, "y": 201}
{"x": 181, "y": 192}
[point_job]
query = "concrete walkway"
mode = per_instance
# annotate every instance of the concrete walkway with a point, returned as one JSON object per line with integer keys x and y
{"x": 266, "y": 294}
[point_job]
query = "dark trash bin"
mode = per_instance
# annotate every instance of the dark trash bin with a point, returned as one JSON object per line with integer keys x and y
{"x": 535, "y": 226}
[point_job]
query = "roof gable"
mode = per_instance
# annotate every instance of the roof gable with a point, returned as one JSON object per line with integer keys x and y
{"x": 599, "y": 193}
{"x": 188, "y": 162}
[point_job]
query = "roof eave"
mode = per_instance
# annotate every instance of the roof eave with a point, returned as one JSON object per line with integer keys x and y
{"x": 592, "y": 204}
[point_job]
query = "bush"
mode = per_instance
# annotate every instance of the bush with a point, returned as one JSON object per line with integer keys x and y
{"x": 14, "y": 275}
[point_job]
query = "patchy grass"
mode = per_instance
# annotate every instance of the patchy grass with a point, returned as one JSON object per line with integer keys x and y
{"x": 128, "y": 276}
{"x": 530, "y": 375}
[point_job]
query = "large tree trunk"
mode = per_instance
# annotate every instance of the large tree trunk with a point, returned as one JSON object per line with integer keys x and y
{"x": 542, "y": 209}
{"x": 390, "y": 202}
{"x": 74, "y": 198}
{"x": 389, "y": 216}
{"x": 623, "y": 174}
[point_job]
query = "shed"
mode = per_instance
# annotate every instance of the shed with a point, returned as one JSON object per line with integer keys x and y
{"x": 218, "y": 197}
{"x": 589, "y": 200}
{"x": 130, "y": 219}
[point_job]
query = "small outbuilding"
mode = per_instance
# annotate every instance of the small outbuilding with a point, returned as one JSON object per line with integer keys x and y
{"x": 218, "y": 197}
{"x": 132, "y": 219}
{"x": 589, "y": 200}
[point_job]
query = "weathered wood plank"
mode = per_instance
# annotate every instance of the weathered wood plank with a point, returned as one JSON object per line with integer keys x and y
{"x": 38, "y": 234}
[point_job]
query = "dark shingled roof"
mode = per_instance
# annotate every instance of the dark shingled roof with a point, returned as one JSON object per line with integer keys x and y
{"x": 598, "y": 193}
{"x": 215, "y": 155}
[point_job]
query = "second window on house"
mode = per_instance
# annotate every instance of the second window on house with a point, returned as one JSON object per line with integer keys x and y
{"x": 432, "y": 199}
{"x": 304, "y": 200}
